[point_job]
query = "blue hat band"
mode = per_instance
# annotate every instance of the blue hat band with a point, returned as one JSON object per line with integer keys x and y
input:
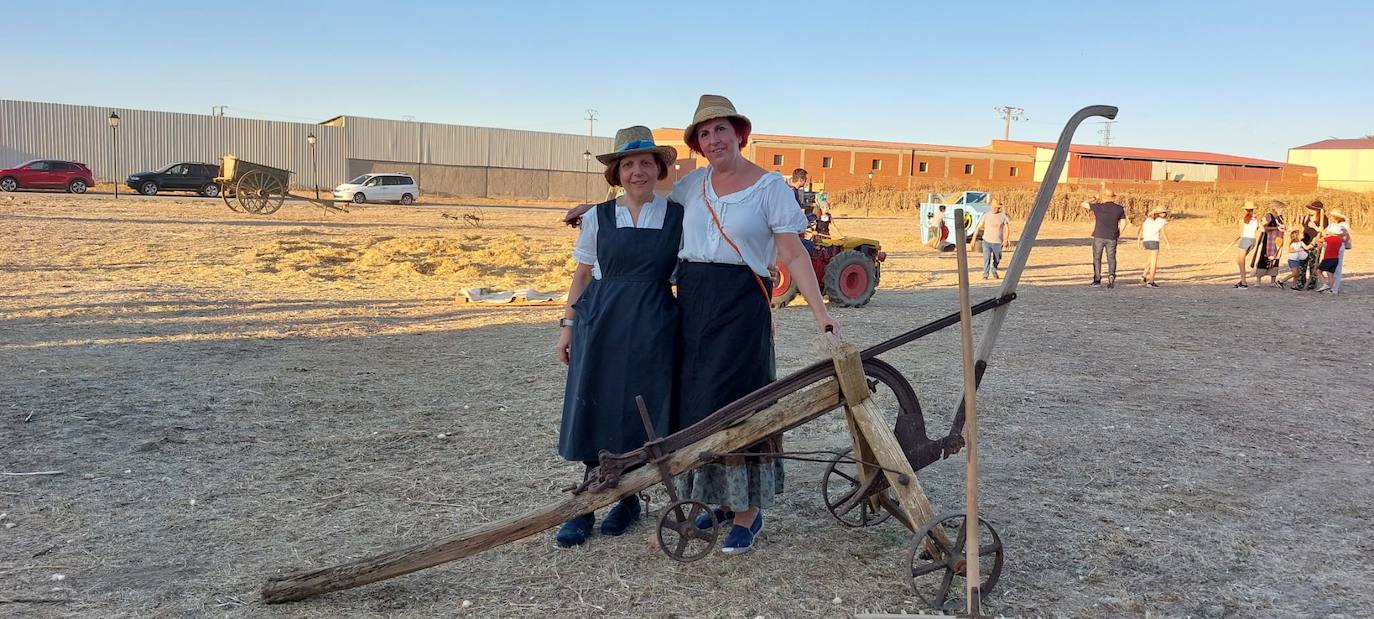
{"x": 636, "y": 145}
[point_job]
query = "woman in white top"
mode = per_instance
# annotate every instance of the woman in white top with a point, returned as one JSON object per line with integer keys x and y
{"x": 738, "y": 219}
{"x": 1249, "y": 231}
{"x": 1151, "y": 235}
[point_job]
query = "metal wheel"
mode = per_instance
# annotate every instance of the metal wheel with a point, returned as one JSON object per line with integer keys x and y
{"x": 148, "y": 188}
{"x": 839, "y": 486}
{"x": 952, "y": 563}
{"x": 77, "y": 186}
{"x": 260, "y": 193}
{"x": 8, "y": 184}
{"x": 359, "y": 198}
{"x": 210, "y": 190}
{"x": 407, "y": 199}
{"x": 678, "y": 534}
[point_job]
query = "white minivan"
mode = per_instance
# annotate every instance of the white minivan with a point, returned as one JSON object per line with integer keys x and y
{"x": 379, "y": 187}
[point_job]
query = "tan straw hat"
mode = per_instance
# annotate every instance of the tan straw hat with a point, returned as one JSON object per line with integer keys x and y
{"x": 1336, "y": 215}
{"x": 710, "y": 107}
{"x": 1159, "y": 210}
{"x": 635, "y": 140}
{"x": 1107, "y": 193}
{"x": 1249, "y": 205}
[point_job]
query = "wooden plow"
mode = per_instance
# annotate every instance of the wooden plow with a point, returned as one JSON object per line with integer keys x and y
{"x": 864, "y": 486}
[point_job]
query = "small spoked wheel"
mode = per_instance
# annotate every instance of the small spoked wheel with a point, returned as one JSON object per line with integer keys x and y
{"x": 679, "y": 536}
{"x": 839, "y": 487}
{"x": 951, "y": 566}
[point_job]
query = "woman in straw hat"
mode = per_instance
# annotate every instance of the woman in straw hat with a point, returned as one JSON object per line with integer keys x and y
{"x": 1151, "y": 234}
{"x": 738, "y": 219}
{"x": 1269, "y": 244}
{"x": 619, "y": 331}
{"x": 1249, "y": 231}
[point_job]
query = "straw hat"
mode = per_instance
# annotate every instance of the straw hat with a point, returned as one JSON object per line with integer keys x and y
{"x": 711, "y": 107}
{"x": 1108, "y": 194}
{"x": 1249, "y": 205}
{"x": 635, "y": 140}
{"x": 1336, "y": 215}
{"x": 1159, "y": 210}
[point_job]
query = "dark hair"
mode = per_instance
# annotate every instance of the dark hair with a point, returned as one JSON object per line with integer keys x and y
{"x": 741, "y": 129}
{"x": 613, "y": 170}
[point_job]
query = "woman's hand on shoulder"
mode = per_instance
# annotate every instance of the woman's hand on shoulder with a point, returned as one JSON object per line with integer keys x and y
{"x": 573, "y": 217}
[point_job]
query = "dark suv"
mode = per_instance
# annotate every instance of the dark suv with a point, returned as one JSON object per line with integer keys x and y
{"x": 197, "y": 177}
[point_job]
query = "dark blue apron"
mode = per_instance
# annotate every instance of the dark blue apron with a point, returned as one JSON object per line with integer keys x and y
{"x": 625, "y": 340}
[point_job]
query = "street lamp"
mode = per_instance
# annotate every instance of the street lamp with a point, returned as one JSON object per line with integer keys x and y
{"x": 314, "y": 170}
{"x": 586, "y": 175}
{"x": 114, "y": 139}
{"x": 869, "y": 201}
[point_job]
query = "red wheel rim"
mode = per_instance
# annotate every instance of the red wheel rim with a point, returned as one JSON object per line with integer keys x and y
{"x": 783, "y": 282}
{"x": 853, "y": 281}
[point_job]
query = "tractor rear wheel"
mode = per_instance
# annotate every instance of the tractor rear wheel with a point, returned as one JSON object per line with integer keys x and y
{"x": 850, "y": 279}
{"x": 784, "y": 286}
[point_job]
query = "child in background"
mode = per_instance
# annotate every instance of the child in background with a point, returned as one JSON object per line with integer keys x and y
{"x": 1297, "y": 257}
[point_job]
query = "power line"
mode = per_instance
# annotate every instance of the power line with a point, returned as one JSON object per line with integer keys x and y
{"x": 591, "y": 121}
{"x": 1106, "y": 132}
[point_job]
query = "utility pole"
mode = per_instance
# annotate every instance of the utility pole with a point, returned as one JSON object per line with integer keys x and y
{"x": 1008, "y": 114}
{"x": 1106, "y": 132}
{"x": 591, "y": 121}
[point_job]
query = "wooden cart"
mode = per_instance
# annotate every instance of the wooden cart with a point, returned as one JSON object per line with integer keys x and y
{"x": 256, "y": 188}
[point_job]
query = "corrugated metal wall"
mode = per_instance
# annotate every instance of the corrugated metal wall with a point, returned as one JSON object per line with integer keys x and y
{"x": 1100, "y": 167}
{"x": 1244, "y": 173}
{"x": 1181, "y": 172}
{"x": 150, "y": 140}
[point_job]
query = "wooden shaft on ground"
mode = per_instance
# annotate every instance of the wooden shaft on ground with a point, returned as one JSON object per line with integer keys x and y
{"x": 789, "y": 411}
{"x": 972, "y": 578}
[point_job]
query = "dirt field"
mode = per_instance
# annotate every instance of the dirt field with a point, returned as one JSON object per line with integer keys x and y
{"x": 230, "y": 397}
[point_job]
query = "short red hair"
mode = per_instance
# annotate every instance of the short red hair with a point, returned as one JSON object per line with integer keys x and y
{"x": 741, "y": 129}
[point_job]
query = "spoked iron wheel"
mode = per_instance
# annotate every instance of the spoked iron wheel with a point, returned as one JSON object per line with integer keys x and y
{"x": 679, "y": 536}
{"x": 839, "y": 487}
{"x": 257, "y": 192}
{"x": 951, "y": 566}
{"x": 227, "y": 194}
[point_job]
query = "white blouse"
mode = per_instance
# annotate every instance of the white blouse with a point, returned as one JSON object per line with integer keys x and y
{"x": 750, "y": 216}
{"x": 651, "y": 216}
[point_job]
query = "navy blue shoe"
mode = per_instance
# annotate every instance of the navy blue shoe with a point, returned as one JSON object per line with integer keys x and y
{"x": 576, "y": 531}
{"x": 704, "y": 521}
{"x": 741, "y": 539}
{"x": 624, "y": 514}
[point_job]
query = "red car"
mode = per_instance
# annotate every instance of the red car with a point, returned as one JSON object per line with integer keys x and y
{"x": 47, "y": 174}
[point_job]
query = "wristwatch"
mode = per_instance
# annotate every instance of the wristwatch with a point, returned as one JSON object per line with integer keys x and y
{"x": 566, "y": 322}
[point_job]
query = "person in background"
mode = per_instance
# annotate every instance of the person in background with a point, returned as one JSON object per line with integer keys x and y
{"x": 1344, "y": 228}
{"x": 1334, "y": 239}
{"x": 1109, "y": 222}
{"x": 996, "y": 227}
{"x": 1297, "y": 259}
{"x": 1269, "y": 244}
{"x": 1151, "y": 235}
{"x": 620, "y": 328}
{"x": 798, "y": 184}
{"x": 1312, "y": 225}
{"x": 1249, "y": 231}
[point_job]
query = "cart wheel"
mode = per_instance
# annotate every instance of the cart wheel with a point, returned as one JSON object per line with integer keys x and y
{"x": 952, "y": 563}
{"x": 226, "y": 193}
{"x": 248, "y": 191}
{"x": 838, "y": 486}
{"x": 274, "y": 192}
{"x": 679, "y": 536}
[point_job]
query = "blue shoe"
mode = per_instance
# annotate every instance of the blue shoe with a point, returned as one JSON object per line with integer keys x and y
{"x": 741, "y": 540}
{"x": 576, "y": 531}
{"x": 624, "y": 514}
{"x": 704, "y": 521}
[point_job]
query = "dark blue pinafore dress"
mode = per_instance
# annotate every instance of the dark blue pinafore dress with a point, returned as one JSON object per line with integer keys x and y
{"x": 625, "y": 340}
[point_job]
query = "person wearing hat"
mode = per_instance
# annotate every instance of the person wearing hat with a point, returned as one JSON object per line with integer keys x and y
{"x": 1249, "y": 231}
{"x": 1109, "y": 223}
{"x": 1335, "y": 240}
{"x": 739, "y": 219}
{"x": 1151, "y": 234}
{"x": 1269, "y": 244}
{"x": 1312, "y": 226}
{"x": 996, "y": 228}
{"x": 620, "y": 326}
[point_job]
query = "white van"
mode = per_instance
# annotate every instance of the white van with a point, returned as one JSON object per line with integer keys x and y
{"x": 382, "y": 187}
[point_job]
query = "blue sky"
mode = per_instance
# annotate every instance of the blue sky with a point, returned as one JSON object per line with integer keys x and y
{"x": 1250, "y": 78}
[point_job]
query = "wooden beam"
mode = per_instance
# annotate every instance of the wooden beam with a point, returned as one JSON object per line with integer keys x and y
{"x": 789, "y": 411}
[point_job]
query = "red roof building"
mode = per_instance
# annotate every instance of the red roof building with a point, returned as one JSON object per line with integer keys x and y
{"x": 1165, "y": 167}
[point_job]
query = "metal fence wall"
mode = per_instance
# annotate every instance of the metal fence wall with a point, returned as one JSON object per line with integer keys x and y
{"x": 150, "y": 140}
